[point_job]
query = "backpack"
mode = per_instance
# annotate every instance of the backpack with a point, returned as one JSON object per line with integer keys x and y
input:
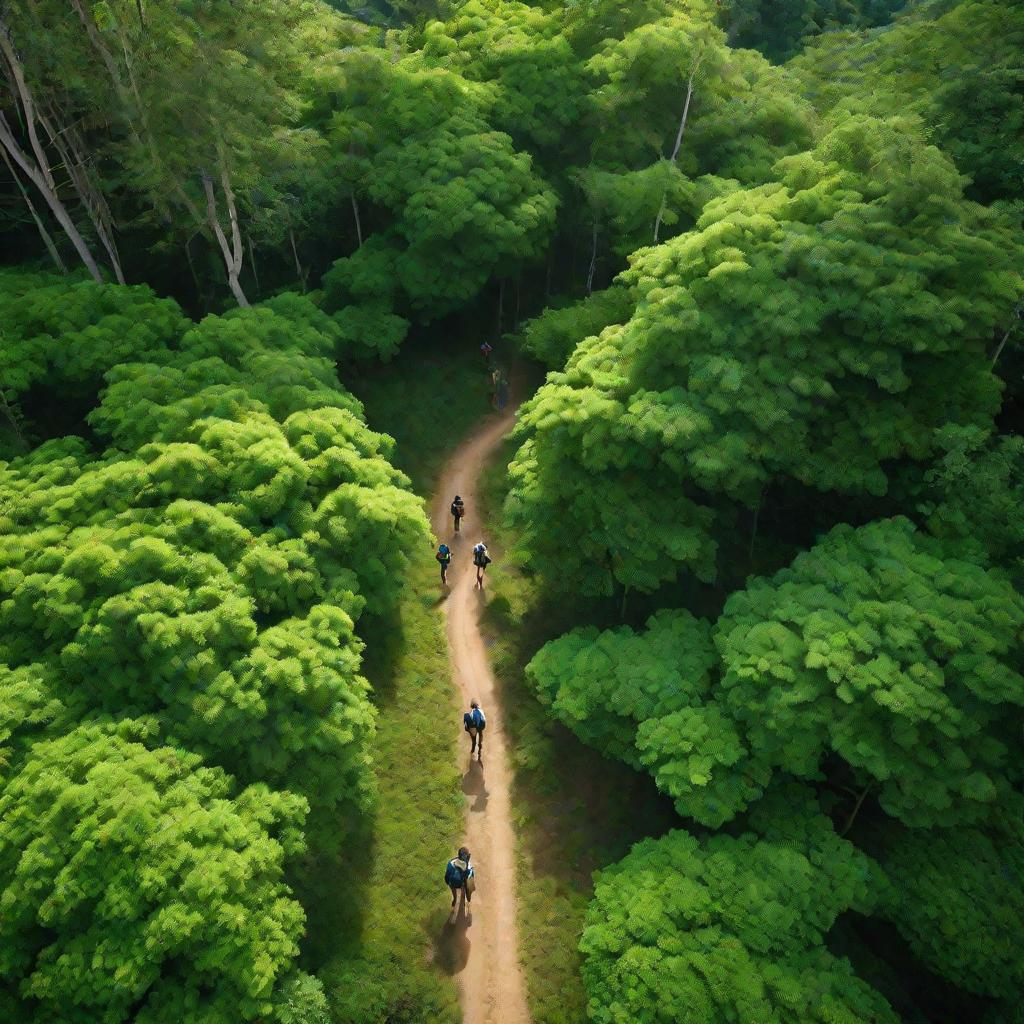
{"x": 443, "y": 554}
{"x": 455, "y": 872}
{"x": 478, "y": 718}
{"x": 458, "y": 510}
{"x": 480, "y": 557}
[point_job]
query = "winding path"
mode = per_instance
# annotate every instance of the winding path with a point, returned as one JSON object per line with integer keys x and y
{"x": 491, "y": 985}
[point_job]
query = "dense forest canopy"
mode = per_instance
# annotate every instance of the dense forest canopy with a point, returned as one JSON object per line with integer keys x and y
{"x": 770, "y": 253}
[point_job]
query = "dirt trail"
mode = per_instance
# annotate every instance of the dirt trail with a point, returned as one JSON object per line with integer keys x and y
{"x": 491, "y": 985}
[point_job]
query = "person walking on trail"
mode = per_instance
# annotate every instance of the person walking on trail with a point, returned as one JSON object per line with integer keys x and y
{"x": 458, "y": 511}
{"x": 485, "y": 351}
{"x": 474, "y": 721}
{"x": 481, "y": 560}
{"x": 444, "y": 557}
{"x": 459, "y": 876}
{"x": 502, "y": 392}
{"x": 495, "y": 383}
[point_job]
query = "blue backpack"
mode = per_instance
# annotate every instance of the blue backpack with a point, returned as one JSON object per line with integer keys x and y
{"x": 453, "y": 875}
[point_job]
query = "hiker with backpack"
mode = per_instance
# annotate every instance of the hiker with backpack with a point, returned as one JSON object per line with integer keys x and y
{"x": 444, "y": 556}
{"x": 481, "y": 560}
{"x": 458, "y": 511}
{"x": 458, "y": 875}
{"x": 474, "y": 722}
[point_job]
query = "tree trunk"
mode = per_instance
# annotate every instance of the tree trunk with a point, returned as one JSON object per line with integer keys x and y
{"x": 298, "y": 264}
{"x": 355, "y": 213}
{"x": 593, "y": 258}
{"x": 501, "y": 306}
{"x": 1018, "y": 311}
{"x": 36, "y": 176}
{"x": 91, "y": 198}
{"x": 232, "y": 253}
{"x": 675, "y": 150}
{"x": 51, "y": 248}
{"x": 856, "y": 809}
{"x": 252, "y": 263}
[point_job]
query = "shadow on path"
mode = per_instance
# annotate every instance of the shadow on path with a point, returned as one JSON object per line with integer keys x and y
{"x": 474, "y": 784}
{"x": 451, "y": 944}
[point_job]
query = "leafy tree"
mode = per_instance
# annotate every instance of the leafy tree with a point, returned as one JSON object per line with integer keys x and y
{"x": 522, "y": 50}
{"x": 461, "y": 202}
{"x": 801, "y": 331}
{"x": 209, "y": 568}
{"x": 957, "y": 898}
{"x": 976, "y": 495}
{"x": 954, "y": 65}
{"x": 879, "y": 646}
{"x": 731, "y": 928}
{"x": 890, "y": 651}
{"x": 552, "y": 336}
{"x": 137, "y": 885}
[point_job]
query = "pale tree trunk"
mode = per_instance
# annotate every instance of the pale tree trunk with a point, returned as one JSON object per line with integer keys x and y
{"x": 37, "y": 167}
{"x": 593, "y": 257}
{"x": 298, "y": 263}
{"x": 679, "y": 142}
{"x": 1017, "y": 313}
{"x": 355, "y": 213}
{"x": 232, "y": 252}
{"x": 51, "y": 248}
{"x": 252, "y": 263}
{"x": 90, "y": 196}
{"x": 36, "y": 176}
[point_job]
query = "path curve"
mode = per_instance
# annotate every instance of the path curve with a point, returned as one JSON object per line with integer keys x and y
{"x": 491, "y": 985}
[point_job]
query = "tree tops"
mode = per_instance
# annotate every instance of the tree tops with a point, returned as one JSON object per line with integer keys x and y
{"x": 731, "y": 928}
{"x": 879, "y": 647}
{"x": 800, "y": 331}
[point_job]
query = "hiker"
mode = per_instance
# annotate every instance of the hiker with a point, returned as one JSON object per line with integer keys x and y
{"x": 474, "y": 722}
{"x": 459, "y": 874}
{"x": 481, "y": 560}
{"x": 458, "y": 511}
{"x": 444, "y": 556}
{"x": 502, "y": 392}
{"x": 495, "y": 382}
{"x": 485, "y": 351}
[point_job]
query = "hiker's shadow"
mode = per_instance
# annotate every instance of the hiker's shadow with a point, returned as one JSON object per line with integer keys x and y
{"x": 451, "y": 944}
{"x": 474, "y": 784}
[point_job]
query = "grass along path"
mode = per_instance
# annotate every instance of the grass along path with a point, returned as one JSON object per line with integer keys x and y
{"x": 377, "y": 912}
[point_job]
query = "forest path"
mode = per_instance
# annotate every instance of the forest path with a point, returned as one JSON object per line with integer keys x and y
{"x": 491, "y": 985}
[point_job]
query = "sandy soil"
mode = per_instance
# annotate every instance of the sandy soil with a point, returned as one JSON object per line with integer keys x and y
{"x": 482, "y": 939}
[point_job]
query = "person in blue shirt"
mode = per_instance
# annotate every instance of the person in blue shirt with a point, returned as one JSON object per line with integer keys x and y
{"x": 474, "y": 721}
{"x": 459, "y": 876}
{"x": 444, "y": 557}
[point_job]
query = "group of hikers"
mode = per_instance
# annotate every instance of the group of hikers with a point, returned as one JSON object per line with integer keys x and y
{"x": 481, "y": 559}
{"x": 459, "y": 875}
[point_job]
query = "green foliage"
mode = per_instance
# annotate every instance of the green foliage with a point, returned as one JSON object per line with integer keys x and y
{"x": 552, "y": 336}
{"x": 957, "y": 896}
{"x": 137, "y": 885}
{"x": 957, "y": 68}
{"x": 463, "y": 202}
{"x": 731, "y": 928}
{"x": 878, "y": 646}
{"x": 801, "y": 331}
{"x": 65, "y": 335}
{"x": 976, "y": 495}
{"x": 778, "y": 28}
{"x": 892, "y": 652}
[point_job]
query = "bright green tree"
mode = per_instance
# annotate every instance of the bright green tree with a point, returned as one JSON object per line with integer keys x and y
{"x": 801, "y": 331}
{"x": 138, "y": 885}
{"x": 731, "y": 928}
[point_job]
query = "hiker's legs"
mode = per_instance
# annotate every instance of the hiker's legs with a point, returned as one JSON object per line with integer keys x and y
{"x": 456, "y": 518}
{"x": 444, "y": 574}
{"x": 473, "y": 738}
{"x": 480, "y": 746}
{"x": 455, "y": 893}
